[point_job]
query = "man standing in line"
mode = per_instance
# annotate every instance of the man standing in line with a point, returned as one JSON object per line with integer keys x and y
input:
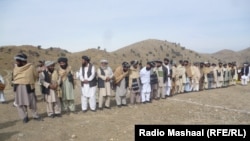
{"x": 234, "y": 73}
{"x": 181, "y": 77}
{"x": 220, "y": 78}
{"x": 215, "y": 77}
{"x": 225, "y": 75}
{"x": 67, "y": 85}
{"x": 89, "y": 84}
{"x": 173, "y": 78}
{"x": 202, "y": 78}
{"x": 145, "y": 80}
{"x": 162, "y": 74}
{"x": 244, "y": 74}
{"x": 134, "y": 83}
{"x": 105, "y": 75}
{"x": 248, "y": 79}
{"x": 40, "y": 69}
{"x": 2, "y": 87}
{"x": 206, "y": 71}
{"x": 24, "y": 79}
{"x": 49, "y": 80}
{"x": 153, "y": 81}
{"x": 196, "y": 77}
{"x": 189, "y": 75}
{"x": 168, "y": 77}
{"x": 121, "y": 83}
{"x": 230, "y": 77}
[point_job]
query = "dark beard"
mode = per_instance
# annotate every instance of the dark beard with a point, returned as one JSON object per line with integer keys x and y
{"x": 51, "y": 70}
{"x": 64, "y": 67}
{"x": 21, "y": 64}
{"x": 147, "y": 68}
{"x": 84, "y": 65}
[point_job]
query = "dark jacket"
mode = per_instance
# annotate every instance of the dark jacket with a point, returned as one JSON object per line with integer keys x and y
{"x": 93, "y": 82}
{"x": 246, "y": 71}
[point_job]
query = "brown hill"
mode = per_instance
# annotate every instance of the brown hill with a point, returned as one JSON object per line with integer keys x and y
{"x": 152, "y": 49}
{"x": 245, "y": 55}
{"x": 95, "y": 55}
{"x": 143, "y": 51}
{"x": 34, "y": 53}
{"x": 231, "y": 56}
{"x": 146, "y": 50}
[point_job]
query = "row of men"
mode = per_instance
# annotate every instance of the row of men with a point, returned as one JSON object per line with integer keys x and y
{"x": 154, "y": 81}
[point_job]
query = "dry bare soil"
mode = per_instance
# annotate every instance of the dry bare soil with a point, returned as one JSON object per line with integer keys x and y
{"x": 219, "y": 106}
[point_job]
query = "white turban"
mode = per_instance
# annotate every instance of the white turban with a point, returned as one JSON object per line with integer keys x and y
{"x": 48, "y": 63}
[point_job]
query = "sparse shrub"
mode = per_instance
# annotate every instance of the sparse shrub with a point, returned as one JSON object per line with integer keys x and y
{"x": 1, "y": 49}
{"x": 63, "y": 54}
{"x": 66, "y": 51}
{"x": 161, "y": 47}
{"x": 37, "y": 54}
{"x": 20, "y": 51}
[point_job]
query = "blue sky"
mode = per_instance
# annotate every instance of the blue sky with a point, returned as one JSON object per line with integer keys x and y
{"x": 205, "y": 26}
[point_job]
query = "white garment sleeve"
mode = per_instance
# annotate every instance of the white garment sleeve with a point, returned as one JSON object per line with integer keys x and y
{"x": 1, "y": 79}
{"x": 111, "y": 72}
{"x": 80, "y": 74}
{"x": 42, "y": 81}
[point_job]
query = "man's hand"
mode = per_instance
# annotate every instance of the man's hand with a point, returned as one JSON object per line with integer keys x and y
{"x": 40, "y": 71}
{"x": 85, "y": 81}
{"x": 53, "y": 86}
{"x": 107, "y": 79}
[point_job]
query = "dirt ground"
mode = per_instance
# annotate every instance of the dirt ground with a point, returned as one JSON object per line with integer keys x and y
{"x": 219, "y": 106}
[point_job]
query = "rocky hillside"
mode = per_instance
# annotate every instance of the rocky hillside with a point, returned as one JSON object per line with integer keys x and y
{"x": 143, "y": 51}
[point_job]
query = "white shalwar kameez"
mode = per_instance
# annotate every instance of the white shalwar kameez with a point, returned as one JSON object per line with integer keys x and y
{"x": 88, "y": 93}
{"x": 146, "y": 87}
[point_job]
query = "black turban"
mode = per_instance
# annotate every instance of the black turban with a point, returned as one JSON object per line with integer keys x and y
{"x": 62, "y": 59}
{"x": 134, "y": 62}
{"x": 125, "y": 65}
{"x": 21, "y": 57}
{"x": 86, "y": 58}
{"x": 151, "y": 63}
{"x": 166, "y": 59}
